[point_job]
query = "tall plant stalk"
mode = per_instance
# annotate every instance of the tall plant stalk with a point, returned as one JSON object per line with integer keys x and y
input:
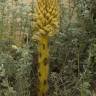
{"x": 46, "y": 24}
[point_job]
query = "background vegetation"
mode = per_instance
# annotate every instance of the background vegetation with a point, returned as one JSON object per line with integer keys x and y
{"x": 72, "y": 50}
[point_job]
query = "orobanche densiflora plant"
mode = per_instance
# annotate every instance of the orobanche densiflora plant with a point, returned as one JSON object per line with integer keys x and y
{"x": 46, "y": 23}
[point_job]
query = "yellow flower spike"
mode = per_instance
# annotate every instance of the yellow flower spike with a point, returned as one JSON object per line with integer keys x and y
{"x": 47, "y": 24}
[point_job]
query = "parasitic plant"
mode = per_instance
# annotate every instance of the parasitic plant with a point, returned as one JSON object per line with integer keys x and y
{"x": 46, "y": 23}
